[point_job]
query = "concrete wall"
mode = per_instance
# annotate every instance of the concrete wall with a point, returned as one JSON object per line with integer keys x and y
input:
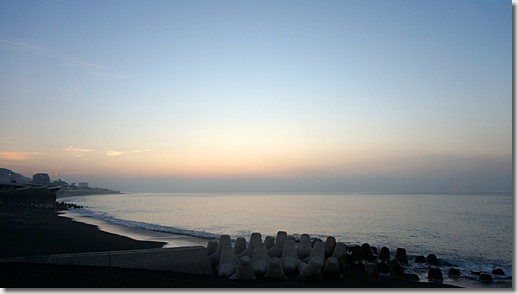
{"x": 191, "y": 259}
{"x": 29, "y": 197}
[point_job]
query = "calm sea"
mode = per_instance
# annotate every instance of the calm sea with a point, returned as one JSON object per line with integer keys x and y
{"x": 472, "y": 232}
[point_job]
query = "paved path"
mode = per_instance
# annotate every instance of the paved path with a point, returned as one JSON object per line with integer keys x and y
{"x": 192, "y": 259}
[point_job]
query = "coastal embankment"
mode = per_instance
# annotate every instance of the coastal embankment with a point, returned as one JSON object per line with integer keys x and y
{"x": 73, "y": 193}
{"x": 27, "y": 231}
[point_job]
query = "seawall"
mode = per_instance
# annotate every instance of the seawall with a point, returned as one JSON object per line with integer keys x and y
{"x": 72, "y": 193}
{"x": 28, "y": 197}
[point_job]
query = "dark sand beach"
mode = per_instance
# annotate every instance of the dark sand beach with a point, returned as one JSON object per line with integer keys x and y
{"x": 32, "y": 231}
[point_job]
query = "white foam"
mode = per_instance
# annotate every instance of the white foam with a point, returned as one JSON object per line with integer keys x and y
{"x": 146, "y": 226}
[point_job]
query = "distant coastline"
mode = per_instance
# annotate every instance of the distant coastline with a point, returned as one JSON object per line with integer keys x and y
{"x": 72, "y": 193}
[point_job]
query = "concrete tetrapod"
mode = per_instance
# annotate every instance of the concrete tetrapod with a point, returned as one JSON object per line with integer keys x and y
{"x": 401, "y": 255}
{"x": 304, "y": 248}
{"x": 454, "y": 272}
{"x": 485, "y": 278}
{"x": 412, "y": 277}
{"x": 289, "y": 258}
{"x": 383, "y": 266}
{"x": 329, "y": 246}
{"x": 397, "y": 272}
{"x": 332, "y": 269}
{"x": 212, "y": 247}
{"x": 311, "y": 271}
{"x": 357, "y": 253}
{"x": 360, "y": 264}
{"x": 384, "y": 254}
{"x": 274, "y": 270}
{"x": 420, "y": 259}
{"x": 317, "y": 251}
{"x": 393, "y": 262}
{"x": 371, "y": 273}
{"x": 498, "y": 272}
{"x": 224, "y": 240}
{"x": 435, "y": 274}
{"x": 227, "y": 262}
{"x": 255, "y": 238}
{"x": 269, "y": 242}
{"x": 432, "y": 259}
{"x": 260, "y": 259}
{"x": 340, "y": 253}
{"x": 315, "y": 241}
{"x": 240, "y": 245}
{"x": 276, "y": 250}
{"x": 367, "y": 252}
{"x": 245, "y": 270}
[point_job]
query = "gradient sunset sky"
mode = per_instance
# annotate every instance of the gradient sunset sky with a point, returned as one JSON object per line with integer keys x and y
{"x": 326, "y": 96}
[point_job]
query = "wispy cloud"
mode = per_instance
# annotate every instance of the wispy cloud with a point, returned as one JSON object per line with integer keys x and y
{"x": 76, "y": 152}
{"x": 116, "y": 153}
{"x": 45, "y": 52}
{"x": 70, "y": 148}
{"x": 85, "y": 63}
{"x": 30, "y": 48}
{"x": 17, "y": 156}
{"x": 13, "y": 163}
{"x": 111, "y": 75}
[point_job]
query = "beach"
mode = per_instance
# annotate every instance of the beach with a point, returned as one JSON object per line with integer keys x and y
{"x": 32, "y": 231}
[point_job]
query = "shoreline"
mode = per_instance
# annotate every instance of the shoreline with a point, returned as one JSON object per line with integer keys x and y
{"x": 179, "y": 240}
{"x": 27, "y": 231}
{"x": 31, "y": 231}
{"x": 170, "y": 239}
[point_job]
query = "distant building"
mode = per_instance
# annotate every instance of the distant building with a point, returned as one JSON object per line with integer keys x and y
{"x": 40, "y": 178}
{"x": 83, "y": 185}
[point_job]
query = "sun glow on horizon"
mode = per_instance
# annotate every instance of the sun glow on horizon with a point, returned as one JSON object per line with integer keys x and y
{"x": 258, "y": 91}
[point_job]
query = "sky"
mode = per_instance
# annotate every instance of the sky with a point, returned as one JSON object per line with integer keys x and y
{"x": 271, "y": 96}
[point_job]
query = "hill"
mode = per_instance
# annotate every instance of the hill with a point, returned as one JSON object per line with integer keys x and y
{"x": 7, "y": 174}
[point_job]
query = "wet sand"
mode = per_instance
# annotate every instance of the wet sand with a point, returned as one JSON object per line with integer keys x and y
{"x": 170, "y": 240}
{"x": 32, "y": 231}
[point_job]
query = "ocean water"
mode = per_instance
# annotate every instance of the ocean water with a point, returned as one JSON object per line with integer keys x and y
{"x": 470, "y": 232}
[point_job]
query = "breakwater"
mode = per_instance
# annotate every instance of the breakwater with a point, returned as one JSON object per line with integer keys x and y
{"x": 314, "y": 259}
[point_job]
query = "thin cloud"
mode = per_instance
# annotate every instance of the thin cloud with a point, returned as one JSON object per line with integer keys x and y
{"x": 31, "y": 48}
{"x": 12, "y": 163}
{"x": 56, "y": 55}
{"x": 74, "y": 173}
{"x": 111, "y": 75}
{"x": 117, "y": 153}
{"x": 17, "y": 156}
{"x": 136, "y": 151}
{"x": 77, "y": 152}
{"x": 45, "y": 52}
{"x": 70, "y": 148}
{"x": 85, "y": 63}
